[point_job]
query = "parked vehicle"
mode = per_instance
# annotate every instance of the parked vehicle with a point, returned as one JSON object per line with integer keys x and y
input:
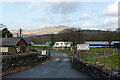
{"x": 63, "y": 44}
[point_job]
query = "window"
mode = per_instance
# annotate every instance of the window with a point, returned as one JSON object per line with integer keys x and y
{"x": 57, "y": 44}
{"x": 66, "y": 43}
{"x": 18, "y": 49}
{"x": 4, "y": 49}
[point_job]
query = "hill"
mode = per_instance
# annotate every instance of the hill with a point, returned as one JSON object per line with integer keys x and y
{"x": 45, "y": 30}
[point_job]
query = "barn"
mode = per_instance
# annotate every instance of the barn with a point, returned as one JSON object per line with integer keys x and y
{"x": 13, "y": 45}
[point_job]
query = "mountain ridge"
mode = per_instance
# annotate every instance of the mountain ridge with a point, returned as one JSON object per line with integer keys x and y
{"x": 45, "y": 30}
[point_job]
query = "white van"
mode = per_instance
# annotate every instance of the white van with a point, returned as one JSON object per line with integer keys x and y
{"x": 62, "y": 44}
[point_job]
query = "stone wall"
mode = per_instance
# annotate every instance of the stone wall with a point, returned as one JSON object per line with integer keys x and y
{"x": 10, "y": 62}
{"x": 96, "y": 70}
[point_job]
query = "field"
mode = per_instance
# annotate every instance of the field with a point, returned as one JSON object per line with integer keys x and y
{"x": 40, "y": 47}
{"x": 109, "y": 60}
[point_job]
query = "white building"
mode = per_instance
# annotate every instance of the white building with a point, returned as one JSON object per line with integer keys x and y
{"x": 63, "y": 44}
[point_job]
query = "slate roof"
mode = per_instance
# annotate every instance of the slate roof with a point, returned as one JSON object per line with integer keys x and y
{"x": 100, "y": 42}
{"x": 28, "y": 42}
{"x": 9, "y": 41}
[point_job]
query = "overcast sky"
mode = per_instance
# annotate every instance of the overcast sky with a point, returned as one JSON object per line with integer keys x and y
{"x": 35, "y": 15}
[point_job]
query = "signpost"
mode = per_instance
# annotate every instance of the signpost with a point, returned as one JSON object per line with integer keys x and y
{"x": 43, "y": 52}
{"x": 82, "y": 46}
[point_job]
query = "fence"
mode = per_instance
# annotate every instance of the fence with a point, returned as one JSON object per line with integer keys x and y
{"x": 102, "y": 64}
{"x": 98, "y": 72}
{"x": 109, "y": 57}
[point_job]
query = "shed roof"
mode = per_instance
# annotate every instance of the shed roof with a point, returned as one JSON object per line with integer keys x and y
{"x": 13, "y": 41}
{"x": 28, "y": 42}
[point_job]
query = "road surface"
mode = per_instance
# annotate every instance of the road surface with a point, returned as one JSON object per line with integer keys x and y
{"x": 59, "y": 66}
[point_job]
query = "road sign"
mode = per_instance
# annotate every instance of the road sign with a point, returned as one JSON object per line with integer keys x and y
{"x": 43, "y": 52}
{"x": 82, "y": 46}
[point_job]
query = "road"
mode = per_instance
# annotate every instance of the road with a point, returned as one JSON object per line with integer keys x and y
{"x": 59, "y": 66}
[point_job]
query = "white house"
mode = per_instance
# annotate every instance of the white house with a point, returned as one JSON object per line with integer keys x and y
{"x": 63, "y": 44}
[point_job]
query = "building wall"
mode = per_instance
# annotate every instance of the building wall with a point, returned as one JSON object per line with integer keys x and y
{"x": 12, "y": 50}
{"x": 4, "y": 49}
{"x": 22, "y": 44}
{"x": 32, "y": 43}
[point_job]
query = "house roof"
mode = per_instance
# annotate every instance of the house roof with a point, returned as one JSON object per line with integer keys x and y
{"x": 28, "y": 42}
{"x": 101, "y": 42}
{"x": 13, "y": 41}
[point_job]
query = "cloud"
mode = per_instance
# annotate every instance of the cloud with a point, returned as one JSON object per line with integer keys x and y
{"x": 111, "y": 20}
{"x": 31, "y": 5}
{"x": 65, "y": 19}
{"x": 63, "y": 7}
{"x": 84, "y": 17}
{"x": 44, "y": 20}
{"x": 109, "y": 23}
{"x": 86, "y": 25}
{"x": 111, "y": 10}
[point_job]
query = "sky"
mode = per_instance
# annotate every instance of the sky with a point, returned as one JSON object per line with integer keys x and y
{"x": 35, "y": 15}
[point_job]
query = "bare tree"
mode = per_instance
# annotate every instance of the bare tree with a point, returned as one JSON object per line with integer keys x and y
{"x": 108, "y": 36}
{"x": 52, "y": 39}
{"x": 74, "y": 35}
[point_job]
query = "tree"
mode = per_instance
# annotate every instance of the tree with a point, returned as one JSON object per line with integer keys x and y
{"x": 52, "y": 39}
{"x": 118, "y": 34}
{"x": 74, "y": 35}
{"x": 6, "y": 33}
{"x": 79, "y": 37}
{"x": 108, "y": 36}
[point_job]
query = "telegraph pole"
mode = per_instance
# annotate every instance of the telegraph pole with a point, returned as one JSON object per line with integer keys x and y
{"x": 20, "y": 32}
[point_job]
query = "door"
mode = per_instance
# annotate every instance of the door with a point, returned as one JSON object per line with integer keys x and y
{"x": 24, "y": 49}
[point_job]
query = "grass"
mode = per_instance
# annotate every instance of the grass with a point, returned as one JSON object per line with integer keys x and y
{"x": 40, "y": 47}
{"x": 100, "y": 50}
{"x": 109, "y": 60}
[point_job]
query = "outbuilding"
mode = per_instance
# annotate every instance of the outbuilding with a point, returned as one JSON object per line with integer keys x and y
{"x": 13, "y": 45}
{"x": 30, "y": 43}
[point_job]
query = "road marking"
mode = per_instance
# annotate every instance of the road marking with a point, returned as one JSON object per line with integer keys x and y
{"x": 66, "y": 60}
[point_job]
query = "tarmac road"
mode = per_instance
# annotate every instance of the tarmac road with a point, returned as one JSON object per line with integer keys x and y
{"x": 59, "y": 66}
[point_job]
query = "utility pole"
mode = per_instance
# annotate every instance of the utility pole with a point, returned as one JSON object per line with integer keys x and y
{"x": 20, "y": 32}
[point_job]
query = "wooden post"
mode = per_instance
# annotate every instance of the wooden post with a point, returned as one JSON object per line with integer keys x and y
{"x": 118, "y": 60}
{"x": 20, "y": 32}
{"x": 113, "y": 51}
{"x": 116, "y": 50}
{"x": 96, "y": 56}
{"x": 86, "y": 55}
{"x": 101, "y": 50}
{"x": 91, "y": 57}
{"x": 115, "y": 64}
{"x": 104, "y": 60}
